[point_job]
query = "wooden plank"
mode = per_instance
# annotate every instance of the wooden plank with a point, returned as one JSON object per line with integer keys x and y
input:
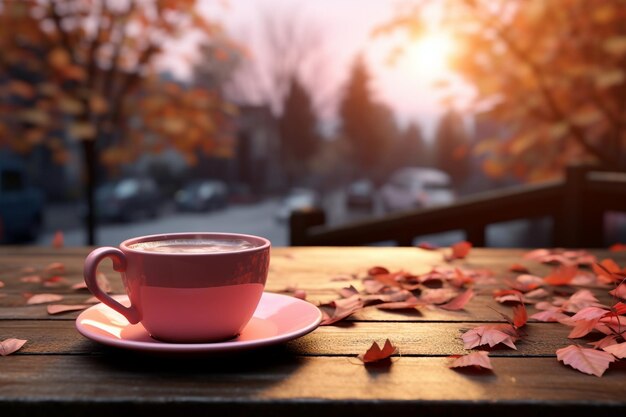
{"x": 438, "y": 339}
{"x": 278, "y": 383}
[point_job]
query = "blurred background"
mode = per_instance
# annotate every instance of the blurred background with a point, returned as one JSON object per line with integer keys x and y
{"x": 121, "y": 118}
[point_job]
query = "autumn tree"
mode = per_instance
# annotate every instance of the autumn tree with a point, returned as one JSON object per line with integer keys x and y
{"x": 83, "y": 71}
{"x": 452, "y": 147}
{"x": 298, "y": 130}
{"x": 553, "y": 73}
{"x": 367, "y": 124}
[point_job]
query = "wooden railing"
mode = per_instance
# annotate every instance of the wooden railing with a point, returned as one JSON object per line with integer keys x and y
{"x": 576, "y": 206}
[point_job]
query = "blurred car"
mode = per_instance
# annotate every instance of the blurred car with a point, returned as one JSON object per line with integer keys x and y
{"x": 360, "y": 195}
{"x": 410, "y": 188}
{"x": 297, "y": 199}
{"x": 202, "y": 195}
{"x": 21, "y": 206}
{"x": 128, "y": 199}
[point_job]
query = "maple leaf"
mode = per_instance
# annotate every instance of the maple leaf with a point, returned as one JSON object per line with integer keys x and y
{"x": 54, "y": 268}
{"x": 375, "y": 353}
{"x": 479, "y": 359}
{"x": 619, "y": 291}
{"x": 490, "y": 334}
{"x": 582, "y": 328}
{"x": 11, "y": 345}
{"x": 561, "y": 275}
{"x": 549, "y": 316}
{"x": 437, "y": 295}
{"x": 347, "y": 292}
{"x": 62, "y": 308}
{"x": 1, "y": 284}
{"x": 586, "y": 360}
{"x": 458, "y": 302}
{"x": 618, "y": 350}
{"x": 43, "y": 298}
{"x": 579, "y": 300}
{"x": 427, "y": 246}
{"x": 340, "y": 309}
{"x": 377, "y": 270}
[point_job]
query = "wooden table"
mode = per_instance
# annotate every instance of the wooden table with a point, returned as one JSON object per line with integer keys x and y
{"x": 59, "y": 372}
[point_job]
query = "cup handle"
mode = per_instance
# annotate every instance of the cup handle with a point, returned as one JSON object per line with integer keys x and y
{"x": 119, "y": 264}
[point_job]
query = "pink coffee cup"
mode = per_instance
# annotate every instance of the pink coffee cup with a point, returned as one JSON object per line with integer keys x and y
{"x": 187, "y": 287}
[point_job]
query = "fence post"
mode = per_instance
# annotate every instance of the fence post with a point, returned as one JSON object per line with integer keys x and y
{"x": 579, "y": 223}
{"x": 299, "y": 223}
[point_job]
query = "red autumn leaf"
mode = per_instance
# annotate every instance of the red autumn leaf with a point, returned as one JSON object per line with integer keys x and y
{"x": 532, "y": 296}
{"x": 340, "y": 309}
{"x": 549, "y": 316}
{"x": 520, "y": 316}
{"x": 57, "y": 240}
{"x": 1, "y": 284}
{"x": 62, "y": 308}
{"x": 458, "y": 303}
{"x": 608, "y": 271}
{"x": 490, "y": 334}
{"x": 561, "y": 275}
{"x": 55, "y": 281}
{"x": 617, "y": 247}
{"x": 537, "y": 254}
{"x": 582, "y": 328}
{"x": 586, "y": 360}
{"x": 375, "y": 353}
{"x": 618, "y": 350}
{"x": 590, "y": 313}
{"x": 519, "y": 268}
{"x": 479, "y": 359}
{"x": 11, "y": 345}
{"x": 459, "y": 251}
{"x": 43, "y": 298}
{"x": 579, "y": 300}
{"x": 437, "y": 295}
{"x": 527, "y": 282}
{"x": 461, "y": 279}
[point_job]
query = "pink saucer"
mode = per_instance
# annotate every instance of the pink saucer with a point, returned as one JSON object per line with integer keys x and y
{"x": 278, "y": 318}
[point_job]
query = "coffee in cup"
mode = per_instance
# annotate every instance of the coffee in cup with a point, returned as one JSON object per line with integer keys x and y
{"x": 187, "y": 287}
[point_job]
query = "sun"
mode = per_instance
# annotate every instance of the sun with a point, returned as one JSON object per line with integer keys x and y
{"x": 429, "y": 56}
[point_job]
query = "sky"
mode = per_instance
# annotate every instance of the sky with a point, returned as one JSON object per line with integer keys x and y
{"x": 408, "y": 87}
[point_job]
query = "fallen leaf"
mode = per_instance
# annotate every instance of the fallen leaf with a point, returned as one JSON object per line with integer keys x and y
{"x": 586, "y": 360}
{"x": 605, "y": 341}
{"x": 437, "y": 295}
{"x": 480, "y": 359}
{"x": 340, "y": 309}
{"x": 377, "y": 270}
{"x": 579, "y": 300}
{"x": 549, "y": 316}
{"x": 301, "y": 294}
{"x": 561, "y": 275}
{"x": 458, "y": 302}
{"x": 617, "y": 350}
{"x": 375, "y": 353}
{"x": 57, "y": 240}
{"x": 608, "y": 271}
{"x": 62, "y": 308}
{"x": 43, "y": 298}
{"x": 619, "y": 291}
{"x": 582, "y": 328}
{"x": 1, "y": 284}
{"x": 11, "y": 345}
{"x": 490, "y": 334}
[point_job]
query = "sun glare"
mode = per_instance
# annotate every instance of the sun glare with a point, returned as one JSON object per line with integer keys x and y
{"x": 430, "y": 54}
